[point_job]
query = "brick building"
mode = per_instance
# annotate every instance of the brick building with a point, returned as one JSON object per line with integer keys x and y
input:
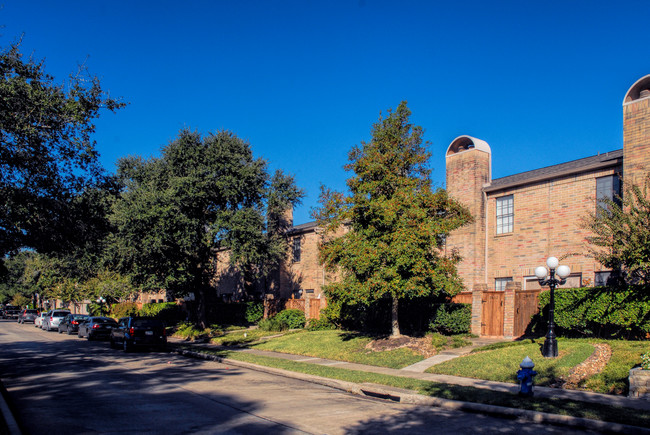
{"x": 519, "y": 221}
{"x": 522, "y": 219}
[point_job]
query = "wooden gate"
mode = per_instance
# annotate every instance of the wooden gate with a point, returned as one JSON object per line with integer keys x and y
{"x": 315, "y": 305}
{"x": 492, "y": 314}
{"x": 525, "y": 308}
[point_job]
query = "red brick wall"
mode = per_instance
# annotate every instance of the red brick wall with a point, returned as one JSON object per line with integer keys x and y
{"x": 547, "y": 222}
{"x": 636, "y": 140}
{"x": 467, "y": 172}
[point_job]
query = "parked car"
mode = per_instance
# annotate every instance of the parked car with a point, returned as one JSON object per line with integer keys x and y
{"x": 11, "y": 312}
{"x": 95, "y": 328}
{"x": 27, "y": 315}
{"x": 70, "y": 323}
{"x": 53, "y": 318}
{"x": 138, "y": 331}
{"x": 38, "y": 322}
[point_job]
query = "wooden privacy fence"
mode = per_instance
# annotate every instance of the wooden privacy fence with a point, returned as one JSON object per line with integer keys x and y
{"x": 462, "y": 298}
{"x": 311, "y": 307}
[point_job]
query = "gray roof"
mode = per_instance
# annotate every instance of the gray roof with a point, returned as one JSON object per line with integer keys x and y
{"x": 599, "y": 161}
{"x": 303, "y": 227}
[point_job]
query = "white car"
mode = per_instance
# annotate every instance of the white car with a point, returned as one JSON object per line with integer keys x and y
{"x": 53, "y": 318}
{"x": 38, "y": 322}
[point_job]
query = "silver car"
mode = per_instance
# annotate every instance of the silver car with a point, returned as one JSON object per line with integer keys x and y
{"x": 53, "y": 318}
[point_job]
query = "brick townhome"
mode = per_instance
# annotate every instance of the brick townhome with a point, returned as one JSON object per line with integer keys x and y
{"x": 522, "y": 219}
{"x": 519, "y": 221}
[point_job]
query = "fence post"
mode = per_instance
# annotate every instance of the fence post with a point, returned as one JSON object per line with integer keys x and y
{"x": 509, "y": 309}
{"x": 477, "y": 307}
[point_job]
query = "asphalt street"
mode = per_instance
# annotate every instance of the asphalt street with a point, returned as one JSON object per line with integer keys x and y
{"x": 62, "y": 384}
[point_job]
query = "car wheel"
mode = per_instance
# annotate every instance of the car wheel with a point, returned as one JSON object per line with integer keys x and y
{"x": 126, "y": 346}
{"x": 112, "y": 343}
{"x": 69, "y": 332}
{"x": 79, "y": 334}
{"x": 59, "y": 330}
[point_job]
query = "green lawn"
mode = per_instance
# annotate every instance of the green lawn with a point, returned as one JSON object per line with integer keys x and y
{"x": 341, "y": 346}
{"x": 500, "y": 362}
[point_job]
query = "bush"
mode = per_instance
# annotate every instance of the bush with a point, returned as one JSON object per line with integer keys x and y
{"x": 321, "y": 324}
{"x": 187, "y": 331}
{"x": 294, "y": 319}
{"x": 124, "y": 309}
{"x": 645, "y": 361}
{"x": 451, "y": 319}
{"x": 287, "y": 319}
{"x": 602, "y": 312}
{"x": 254, "y": 311}
{"x": 438, "y": 340}
{"x": 169, "y": 312}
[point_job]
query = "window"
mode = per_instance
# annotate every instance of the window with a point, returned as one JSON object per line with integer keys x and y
{"x": 601, "y": 278}
{"x": 500, "y": 283}
{"x": 296, "y": 250}
{"x": 608, "y": 188}
{"x": 505, "y": 214}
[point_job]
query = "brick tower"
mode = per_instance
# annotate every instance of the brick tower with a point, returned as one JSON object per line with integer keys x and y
{"x": 469, "y": 168}
{"x": 636, "y": 132}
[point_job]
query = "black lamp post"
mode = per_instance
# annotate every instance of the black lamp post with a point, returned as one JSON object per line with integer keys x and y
{"x": 547, "y": 277}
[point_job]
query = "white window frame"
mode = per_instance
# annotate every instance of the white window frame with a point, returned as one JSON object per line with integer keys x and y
{"x": 505, "y": 214}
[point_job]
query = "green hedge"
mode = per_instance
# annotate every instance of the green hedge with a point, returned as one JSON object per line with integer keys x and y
{"x": 286, "y": 319}
{"x": 599, "y": 312}
{"x": 451, "y": 318}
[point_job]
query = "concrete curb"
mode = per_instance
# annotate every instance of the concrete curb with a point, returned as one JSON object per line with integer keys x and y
{"x": 412, "y": 397}
{"x": 10, "y": 421}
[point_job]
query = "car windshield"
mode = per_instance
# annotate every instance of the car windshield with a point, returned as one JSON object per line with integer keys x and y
{"x": 101, "y": 320}
{"x": 31, "y": 311}
{"x": 60, "y": 314}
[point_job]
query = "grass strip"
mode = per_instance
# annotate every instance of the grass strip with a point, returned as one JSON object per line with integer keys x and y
{"x": 594, "y": 411}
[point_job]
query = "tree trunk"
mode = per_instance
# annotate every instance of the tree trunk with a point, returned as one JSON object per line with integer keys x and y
{"x": 394, "y": 318}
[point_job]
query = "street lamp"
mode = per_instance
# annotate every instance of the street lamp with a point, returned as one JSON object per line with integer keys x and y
{"x": 547, "y": 277}
{"x": 101, "y": 301}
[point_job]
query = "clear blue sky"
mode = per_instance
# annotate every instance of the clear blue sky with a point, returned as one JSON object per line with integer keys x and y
{"x": 303, "y": 81}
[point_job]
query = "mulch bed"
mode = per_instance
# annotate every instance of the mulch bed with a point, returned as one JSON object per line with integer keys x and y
{"x": 589, "y": 367}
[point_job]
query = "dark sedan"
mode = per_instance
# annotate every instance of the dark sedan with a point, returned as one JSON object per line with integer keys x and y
{"x": 70, "y": 323}
{"x": 96, "y": 328}
{"x": 138, "y": 331}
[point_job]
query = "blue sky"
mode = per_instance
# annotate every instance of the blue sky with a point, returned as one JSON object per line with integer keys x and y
{"x": 303, "y": 81}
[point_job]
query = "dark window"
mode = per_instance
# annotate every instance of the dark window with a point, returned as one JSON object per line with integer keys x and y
{"x": 608, "y": 188}
{"x": 296, "y": 250}
{"x": 601, "y": 278}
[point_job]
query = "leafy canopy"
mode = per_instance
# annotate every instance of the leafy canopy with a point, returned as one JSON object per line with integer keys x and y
{"x": 621, "y": 235}
{"x": 203, "y": 193}
{"x": 47, "y": 157}
{"x": 397, "y": 222}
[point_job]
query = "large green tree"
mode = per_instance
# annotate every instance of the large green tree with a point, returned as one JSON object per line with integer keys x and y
{"x": 397, "y": 222}
{"x": 48, "y": 160}
{"x": 621, "y": 235}
{"x": 203, "y": 193}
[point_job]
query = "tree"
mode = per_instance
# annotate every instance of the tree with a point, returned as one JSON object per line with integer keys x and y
{"x": 397, "y": 221}
{"x": 202, "y": 194}
{"x": 621, "y": 235}
{"x": 48, "y": 160}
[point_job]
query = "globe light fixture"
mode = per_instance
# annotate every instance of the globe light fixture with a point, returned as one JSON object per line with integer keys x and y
{"x": 548, "y": 278}
{"x": 101, "y": 301}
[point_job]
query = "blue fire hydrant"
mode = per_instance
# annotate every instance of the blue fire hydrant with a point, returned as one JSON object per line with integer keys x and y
{"x": 526, "y": 375}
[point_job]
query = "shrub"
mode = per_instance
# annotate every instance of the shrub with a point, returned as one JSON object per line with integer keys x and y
{"x": 254, "y": 311}
{"x": 438, "y": 340}
{"x": 187, "y": 331}
{"x": 452, "y": 319}
{"x": 321, "y": 324}
{"x": 293, "y": 319}
{"x": 169, "y": 312}
{"x": 287, "y": 319}
{"x": 599, "y": 312}
{"x": 124, "y": 309}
